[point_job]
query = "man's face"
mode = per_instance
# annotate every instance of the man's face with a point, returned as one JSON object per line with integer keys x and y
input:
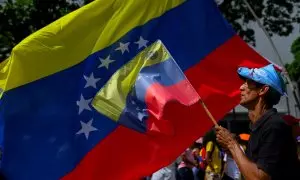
{"x": 249, "y": 93}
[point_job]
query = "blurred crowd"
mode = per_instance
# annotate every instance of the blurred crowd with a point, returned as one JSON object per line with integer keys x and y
{"x": 206, "y": 159}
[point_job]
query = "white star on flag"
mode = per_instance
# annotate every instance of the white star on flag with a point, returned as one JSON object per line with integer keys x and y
{"x": 140, "y": 116}
{"x": 123, "y": 47}
{"x": 138, "y": 78}
{"x": 91, "y": 81}
{"x": 86, "y": 128}
{"x": 83, "y": 104}
{"x": 141, "y": 42}
{"x": 105, "y": 62}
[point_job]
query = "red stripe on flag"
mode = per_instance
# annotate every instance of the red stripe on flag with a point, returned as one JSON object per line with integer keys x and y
{"x": 128, "y": 155}
{"x": 215, "y": 77}
{"x": 158, "y": 99}
{"x": 158, "y": 95}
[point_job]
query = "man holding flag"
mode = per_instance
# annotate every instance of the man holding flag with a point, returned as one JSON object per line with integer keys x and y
{"x": 271, "y": 151}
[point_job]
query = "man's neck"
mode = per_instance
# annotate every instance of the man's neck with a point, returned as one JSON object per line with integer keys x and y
{"x": 257, "y": 112}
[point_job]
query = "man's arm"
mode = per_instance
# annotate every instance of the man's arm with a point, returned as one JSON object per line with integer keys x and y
{"x": 249, "y": 169}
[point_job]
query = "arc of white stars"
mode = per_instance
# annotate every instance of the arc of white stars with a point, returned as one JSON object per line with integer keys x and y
{"x": 141, "y": 42}
{"x": 91, "y": 81}
{"x": 83, "y": 104}
{"x": 86, "y": 128}
{"x": 123, "y": 47}
{"x": 105, "y": 62}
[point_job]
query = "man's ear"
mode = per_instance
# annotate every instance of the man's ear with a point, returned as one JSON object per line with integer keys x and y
{"x": 264, "y": 90}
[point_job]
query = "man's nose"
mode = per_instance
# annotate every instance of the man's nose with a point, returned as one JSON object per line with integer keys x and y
{"x": 242, "y": 87}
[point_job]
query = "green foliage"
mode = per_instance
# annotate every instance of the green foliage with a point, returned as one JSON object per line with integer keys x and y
{"x": 294, "y": 68}
{"x": 19, "y": 18}
{"x": 277, "y": 16}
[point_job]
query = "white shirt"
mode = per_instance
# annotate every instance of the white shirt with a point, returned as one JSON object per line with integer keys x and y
{"x": 166, "y": 173}
{"x": 231, "y": 168}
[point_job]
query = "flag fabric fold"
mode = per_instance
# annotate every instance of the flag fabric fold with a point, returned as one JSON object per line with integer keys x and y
{"x": 145, "y": 85}
{"x": 87, "y": 97}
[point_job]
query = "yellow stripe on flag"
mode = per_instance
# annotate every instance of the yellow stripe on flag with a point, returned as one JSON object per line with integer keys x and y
{"x": 69, "y": 40}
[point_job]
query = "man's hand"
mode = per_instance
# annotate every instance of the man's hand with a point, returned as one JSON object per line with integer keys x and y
{"x": 224, "y": 138}
{"x": 249, "y": 169}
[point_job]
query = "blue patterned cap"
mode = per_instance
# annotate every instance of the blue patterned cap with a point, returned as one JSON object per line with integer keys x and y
{"x": 266, "y": 75}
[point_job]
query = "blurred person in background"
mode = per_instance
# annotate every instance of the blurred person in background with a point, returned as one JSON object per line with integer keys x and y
{"x": 184, "y": 171}
{"x": 213, "y": 157}
{"x": 231, "y": 170}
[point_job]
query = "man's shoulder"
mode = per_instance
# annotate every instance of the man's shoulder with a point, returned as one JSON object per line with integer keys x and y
{"x": 276, "y": 127}
{"x": 276, "y": 122}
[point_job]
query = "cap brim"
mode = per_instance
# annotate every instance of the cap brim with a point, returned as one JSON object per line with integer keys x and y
{"x": 244, "y": 73}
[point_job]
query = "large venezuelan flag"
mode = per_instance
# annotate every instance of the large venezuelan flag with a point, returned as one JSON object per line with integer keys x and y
{"x": 87, "y": 97}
